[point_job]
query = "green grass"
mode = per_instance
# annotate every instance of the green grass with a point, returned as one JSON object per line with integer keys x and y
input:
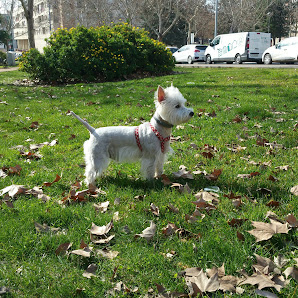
{"x": 29, "y": 266}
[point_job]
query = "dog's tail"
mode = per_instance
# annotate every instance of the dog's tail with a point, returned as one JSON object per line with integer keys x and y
{"x": 89, "y": 127}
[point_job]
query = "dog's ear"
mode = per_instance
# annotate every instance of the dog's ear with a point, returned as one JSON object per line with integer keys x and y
{"x": 161, "y": 94}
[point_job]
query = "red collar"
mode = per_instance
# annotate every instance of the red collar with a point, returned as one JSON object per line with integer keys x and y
{"x": 156, "y": 132}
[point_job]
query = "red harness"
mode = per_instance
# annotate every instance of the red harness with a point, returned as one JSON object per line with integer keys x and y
{"x": 159, "y": 136}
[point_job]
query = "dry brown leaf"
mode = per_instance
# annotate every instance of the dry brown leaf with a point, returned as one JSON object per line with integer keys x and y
{"x": 292, "y": 221}
{"x": 264, "y": 231}
{"x": 90, "y": 271}
{"x": 203, "y": 205}
{"x": 234, "y": 222}
{"x": 85, "y": 252}
{"x": 181, "y": 188}
{"x": 63, "y": 248}
{"x": 44, "y": 228}
{"x": 50, "y": 183}
{"x": 214, "y": 175}
{"x": 263, "y": 281}
{"x": 165, "y": 180}
{"x": 265, "y": 294}
{"x": 106, "y": 253}
{"x": 294, "y": 190}
{"x": 170, "y": 229}
{"x": 264, "y": 265}
{"x": 183, "y": 173}
{"x": 13, "y": 190}
{"x": 154, "y": 209}
{"x": 148, "y": 233}
{"x": 291, "y": 271}
{"x": 207, "y": 196}
{"x": 101, "y": 207}
{"x": 202, "y": 283}
{"x": 103, "y": 230}
{"x": 173, "y": 208}
{"x": 99, "y": 234}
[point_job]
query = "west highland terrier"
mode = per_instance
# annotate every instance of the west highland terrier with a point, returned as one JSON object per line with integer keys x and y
{"x": 148, "y": 142}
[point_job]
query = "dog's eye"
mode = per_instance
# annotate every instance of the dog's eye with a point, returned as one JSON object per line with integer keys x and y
{"x": 177, "y": 106}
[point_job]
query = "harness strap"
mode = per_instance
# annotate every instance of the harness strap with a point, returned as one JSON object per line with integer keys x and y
{"x": 138, "y": 138}
{"x": 156, "y": 132}
{"x": 160, "y": 137}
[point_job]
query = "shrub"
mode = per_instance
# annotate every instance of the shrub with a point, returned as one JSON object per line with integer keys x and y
{"x": 2, "y": 58}
{"x": 102, "y": 53}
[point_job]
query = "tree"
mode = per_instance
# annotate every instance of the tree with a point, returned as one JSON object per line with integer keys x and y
{"x": 198, "y": 18}
{"x": 160, "y": 16}
{"x": 243, "y": 15}
{"x": 4, "y": 38}
{"x": 279, "y": 21}
{"x": 28, "y": 12}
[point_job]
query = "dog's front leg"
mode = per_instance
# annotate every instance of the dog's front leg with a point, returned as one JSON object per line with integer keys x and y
{"x": 148, "y": 167}
{"x": 159, "y": 165}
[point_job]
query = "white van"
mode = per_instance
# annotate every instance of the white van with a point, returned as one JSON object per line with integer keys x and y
{"x": 238, "y": 47}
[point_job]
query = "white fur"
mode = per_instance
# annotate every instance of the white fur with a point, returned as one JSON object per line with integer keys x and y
{"x": 119, "y": 143}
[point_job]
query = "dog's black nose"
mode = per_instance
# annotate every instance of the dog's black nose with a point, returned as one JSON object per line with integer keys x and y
{"x": 191, "y": 114}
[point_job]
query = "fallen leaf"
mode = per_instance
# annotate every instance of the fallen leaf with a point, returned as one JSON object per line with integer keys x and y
{"x": 201, "y": 283}
{"x": 90, "y": 271}
{"x": 294, "y": 190}
{"x": 106, "y": 253}
{"x": 102, "y": 207}
{"x": 44, "y": 228}
{"x": 240, "y": 236}
{"x": 165, "y": 180}
{"x": 170, "y": 229}
{"x": 214, "y": 175}
{"x": 181, "y": 188}
{"x": 13, "y": 190}
{"x": 173, "y": 208}
{"x": 99, "y": 234}
{"x": 207, "y": 196}
{"x": 264, "y": 265}
{"x": 273, "y": 204}
{"x": 262, "y": 281}
{"x": 50, "y": 183}
{"x": 85, "y": 252}
{"x": 280, "y": 261}
{"x": 291, "y": 271}
{"x": 264, "y": 231}
{"x": 236, "y": 222}
{"x": 183, "y": 173}
{"x": 154, "y": 209}
{"x": 148, "y": 233}
{"x": 265, "y": 294}
{"x": 203, "y": 205}
{"x": 232, "y": 196}
{"x": 63, "y": 248}
{"x": 292, "y": 221}
{"x": 272, "y": 178}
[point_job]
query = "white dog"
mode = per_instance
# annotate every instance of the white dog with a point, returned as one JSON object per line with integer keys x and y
{"x": 148, "y": 142}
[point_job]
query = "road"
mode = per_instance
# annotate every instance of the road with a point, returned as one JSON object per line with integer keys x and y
{"x": 243, "y": 65}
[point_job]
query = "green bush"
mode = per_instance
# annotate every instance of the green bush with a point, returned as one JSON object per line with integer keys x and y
{"x": 102, "y": 53}
{"x": 2, "y": 58}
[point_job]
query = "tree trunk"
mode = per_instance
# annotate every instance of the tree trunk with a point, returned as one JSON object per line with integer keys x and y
{"x": 28, "y": 11}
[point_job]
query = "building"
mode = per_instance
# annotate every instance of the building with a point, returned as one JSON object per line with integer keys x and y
{"x": 49, "y": 15}
{"x": 43, "y": 25}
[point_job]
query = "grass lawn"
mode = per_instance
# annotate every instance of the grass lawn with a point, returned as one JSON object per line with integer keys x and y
{"x": 245, "y": 123}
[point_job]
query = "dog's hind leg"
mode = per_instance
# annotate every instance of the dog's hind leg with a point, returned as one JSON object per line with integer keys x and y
{"x": 95, "y": 163}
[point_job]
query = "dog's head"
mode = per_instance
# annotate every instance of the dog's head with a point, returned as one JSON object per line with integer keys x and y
{"x": 170, "y": 105}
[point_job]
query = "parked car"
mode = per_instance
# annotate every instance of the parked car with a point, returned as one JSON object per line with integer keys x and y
{"x": 172, "y": 49}
{"x": 190, "y": 53}
{"x": 238, "y": 47}
{"x": 284, "y": 51}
